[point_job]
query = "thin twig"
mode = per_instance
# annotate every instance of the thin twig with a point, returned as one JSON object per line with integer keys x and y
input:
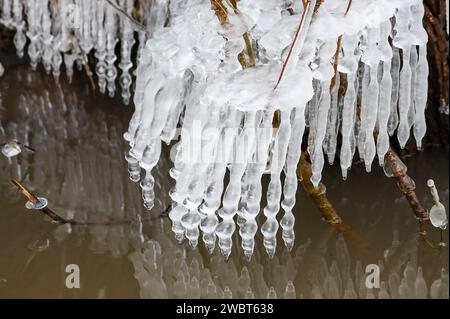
{"x": 406, "y": 185}
{"x": 88, "y": 70}
{"x": 55, "y": 217}
{"x": 348, "y": 7}
{"x": 336, "y": 62}
{"x": 305, "y": 9}
{"x": 131, "y": 19}
{"x": 304, "y": 171}
{"x": 404, "y": 182}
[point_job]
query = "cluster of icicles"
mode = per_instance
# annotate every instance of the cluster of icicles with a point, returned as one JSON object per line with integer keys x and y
{"x": 188, "y": 76}
{"x": 199, "y": 83}
{"x": 66, "y": 31}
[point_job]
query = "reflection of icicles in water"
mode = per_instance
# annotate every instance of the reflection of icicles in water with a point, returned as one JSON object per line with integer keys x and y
{"x": 340, "y": 280}
{"x": 66, "y": 31}
{"x": 164, "y": 269}
{"x": 180, "y": 79}
{"x": 78, "y": 163}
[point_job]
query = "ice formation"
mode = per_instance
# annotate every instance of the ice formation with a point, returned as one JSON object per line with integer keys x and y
{"x": 341, "y": 75}
{"x": 438, "y": 216}
{"x": 66, "y": 31}
{"x": 200, "y": 83}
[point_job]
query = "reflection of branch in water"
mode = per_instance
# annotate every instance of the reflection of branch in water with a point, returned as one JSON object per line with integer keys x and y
{"x": 55, "y": 217}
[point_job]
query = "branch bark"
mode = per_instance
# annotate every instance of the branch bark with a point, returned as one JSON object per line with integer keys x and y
{"x": 318, "y": 195}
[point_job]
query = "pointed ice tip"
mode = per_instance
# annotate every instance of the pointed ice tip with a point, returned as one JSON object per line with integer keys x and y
{"x": 368, "y": 168}
{"x": 134, "y": 178}
{"x": 270, "y": 252}
{"x": 193, "y": 243}
{"x": 226, "y": 253}
{"x": 210, "y": 249}
{"x": 289, "y": 245}
{"x": 248, "y": 255}
{"x": 179, "y": 238}
{"x": 419, "y": 145}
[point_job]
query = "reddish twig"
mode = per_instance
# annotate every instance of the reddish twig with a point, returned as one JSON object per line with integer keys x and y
{"x": 336, "y": 62}
{"x": 305, "y": 9}
{"x": 348, "y": 7}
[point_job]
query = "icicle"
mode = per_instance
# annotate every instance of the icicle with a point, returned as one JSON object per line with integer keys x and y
{"x": 395, "y": 73}
{"x": 420, "y": 83}
{"x": 100, "y": 47}
{"x": 270, "y": 227}
{"x": 254, "y": 172}
{"x": 413, "y": 66}
{"x": 333, "y": 124}
{"x": 126, "y": 44}
{"x": 385, "y": 92}
{"x": 110, "y": 57}
{"x": 317, "y": 154}
{"x": 403, "y": 40}
{"x": 6, "y": 18}
{"x": 290, "y": 182}
{"x": 175, "y": 215}
{"x": 404, "y": 99}
{"x": 244, "y": 147}
{"x": 421, "y": 91}
{"x": 369, "y": 105}
{"x": 33, "y": 32}
{"x": 47, "y": 41}
{"x": 19, "y": 38}
{"x": 349, "y": 65}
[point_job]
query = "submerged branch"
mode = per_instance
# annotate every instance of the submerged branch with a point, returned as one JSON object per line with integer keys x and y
{"x": 55, "y": 217}
{"x": 318, "y": 195}
{"x": 406, "y": 185}
{"x": 34, "y": 199}
{"x": 404, "y": 182}
{"x": 304, "y": 171}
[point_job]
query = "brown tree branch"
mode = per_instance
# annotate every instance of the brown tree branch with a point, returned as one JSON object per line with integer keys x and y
{"x": 33, "y": 199}
{"x": 318, "y": 195}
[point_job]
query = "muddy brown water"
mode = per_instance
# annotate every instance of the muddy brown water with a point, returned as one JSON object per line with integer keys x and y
{"x": 128, "y": 252}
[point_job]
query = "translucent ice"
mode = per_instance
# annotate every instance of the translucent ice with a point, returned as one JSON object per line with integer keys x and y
{"x": 192, "y": 74}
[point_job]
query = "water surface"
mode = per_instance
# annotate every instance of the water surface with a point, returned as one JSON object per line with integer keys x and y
{"x": 125, "y": 251}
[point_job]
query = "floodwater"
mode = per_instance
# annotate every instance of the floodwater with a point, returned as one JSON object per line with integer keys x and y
{"x": 124, "y": 251}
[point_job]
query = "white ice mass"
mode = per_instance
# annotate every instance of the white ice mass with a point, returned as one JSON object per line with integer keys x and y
{"x": 349, "y": 71}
